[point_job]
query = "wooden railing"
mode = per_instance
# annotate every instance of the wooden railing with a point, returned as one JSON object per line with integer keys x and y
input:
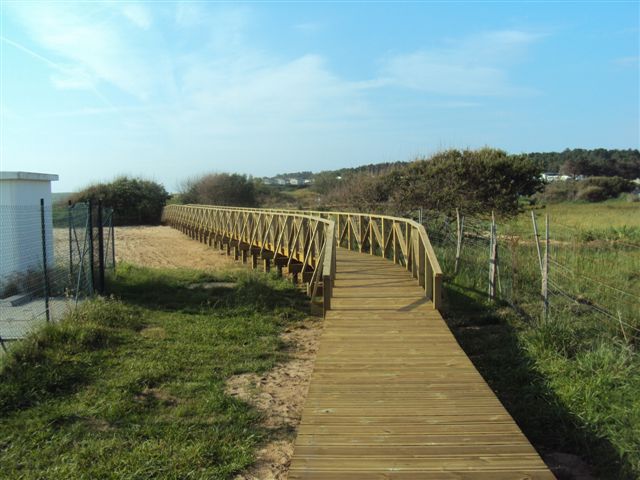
{"x": 301, "y": 243}
{"x": 400, "y": 240}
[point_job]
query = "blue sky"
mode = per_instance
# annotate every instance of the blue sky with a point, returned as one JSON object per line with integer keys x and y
{"x": 170, "y": 90}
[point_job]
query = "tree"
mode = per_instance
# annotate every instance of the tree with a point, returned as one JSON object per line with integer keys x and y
{"x": 476, "y": 181}
{"x": 220, "y": 189}
{"x": 135, "y": 201}
{"x": 324, "y": 182}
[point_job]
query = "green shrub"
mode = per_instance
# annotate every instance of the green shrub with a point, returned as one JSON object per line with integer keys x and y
{"x": 135, "y": 201}
{"x": 220, "y": 189}
{"x": 592, "y": 193}
{"x": 476, "y": 181}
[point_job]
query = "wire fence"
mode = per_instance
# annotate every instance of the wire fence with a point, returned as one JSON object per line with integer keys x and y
{"x": 546, "y": 271}
{"x": 51, "y": 258}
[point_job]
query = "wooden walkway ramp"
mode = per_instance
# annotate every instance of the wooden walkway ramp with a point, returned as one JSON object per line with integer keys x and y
{"x": 393, "y": 396}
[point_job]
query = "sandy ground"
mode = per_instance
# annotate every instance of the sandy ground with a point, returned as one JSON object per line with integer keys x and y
{"x": 167, "y": 248}
{"x": 280, "y": 393}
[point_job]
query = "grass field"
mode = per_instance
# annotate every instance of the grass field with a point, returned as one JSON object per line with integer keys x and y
{"x": 572, "y": 382}
{"x": 134, "y": 387}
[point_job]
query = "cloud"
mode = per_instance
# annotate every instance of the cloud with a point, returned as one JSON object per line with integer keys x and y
{"x": 471, "y": 66}
{"x": 138, "y": 15}
{"x": 631, "y": 61}
{"x": 95, "y": 45}
{"x": 308, "y": 27}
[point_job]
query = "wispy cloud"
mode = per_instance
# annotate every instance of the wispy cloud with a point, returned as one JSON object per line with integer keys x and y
{"x": 471, "y": 66}
{"x": 308, "y": 27}
{"x": 97, "y": 45}
{"x": 217, "y": 81}
{"x": 64, "y": 76}
{"x": 630, "y": 61}
{"x": 138, "y": 15}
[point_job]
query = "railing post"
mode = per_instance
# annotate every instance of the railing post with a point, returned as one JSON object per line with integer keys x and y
{"x": 407, "y": 239}
{"x": 326, "y": 293}
{"x": 437, "y": 291}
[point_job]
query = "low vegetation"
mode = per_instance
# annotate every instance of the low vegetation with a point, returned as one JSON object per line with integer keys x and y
{"x": 220, "y": 189}
{"x": 571, "y": 381}
{"x": 592, "y": 189}
{"x": 599, "y": 162}
{"x": 133, "y": 386}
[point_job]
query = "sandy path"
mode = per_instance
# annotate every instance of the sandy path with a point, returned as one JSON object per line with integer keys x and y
{"x": 167, "y": 248}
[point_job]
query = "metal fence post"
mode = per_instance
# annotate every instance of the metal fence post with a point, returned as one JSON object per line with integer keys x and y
{"x": 44, "y": 261}
{"x": 100, "y": 248}
{"x": 90, "y": 234}
{"x": 113, "y": 241}
{"x": 70, "y": 221}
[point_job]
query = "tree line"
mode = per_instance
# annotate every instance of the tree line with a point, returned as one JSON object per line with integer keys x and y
{"x": 477, "y": 181}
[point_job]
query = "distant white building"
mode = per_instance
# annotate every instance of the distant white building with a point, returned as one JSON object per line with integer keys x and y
{"x": 21, "y": 223}
{"x": 280, "y": 181}
{"x": 554, "y": 177}
{"x": 294, "y": 181}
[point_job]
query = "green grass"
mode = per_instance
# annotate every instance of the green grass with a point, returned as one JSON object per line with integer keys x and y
{"x": 567, "y": 392}
{"x": 572, "y": 382}
{"x": 612, "y": 220}
{"x": 133, "y": 386}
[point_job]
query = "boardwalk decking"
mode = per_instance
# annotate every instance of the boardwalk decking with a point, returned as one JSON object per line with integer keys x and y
{"x": 393, "y": 396}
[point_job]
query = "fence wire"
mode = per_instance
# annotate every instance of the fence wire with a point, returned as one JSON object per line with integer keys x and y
{"x": 45, "y": 263}
{"x": 590, "y": 279}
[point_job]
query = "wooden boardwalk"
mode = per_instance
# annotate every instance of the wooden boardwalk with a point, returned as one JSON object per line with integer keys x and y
{"x": 393, "y": 396}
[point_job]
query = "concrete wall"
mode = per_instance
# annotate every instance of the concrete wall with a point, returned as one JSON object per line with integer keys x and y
{"x": 20, "y": 223}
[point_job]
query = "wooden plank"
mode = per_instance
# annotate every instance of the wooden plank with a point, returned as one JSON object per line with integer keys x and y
{"x": 393, "y": 395}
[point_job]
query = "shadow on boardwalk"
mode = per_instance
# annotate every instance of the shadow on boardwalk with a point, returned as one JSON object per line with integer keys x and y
{"x": 494, "y": 348}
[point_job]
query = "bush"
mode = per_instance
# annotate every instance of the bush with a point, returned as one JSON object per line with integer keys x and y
{"x": 592, "y": 193}
{"x": 592, "y": 189}
{"x": 611, "y": 187}
{"x": 135, "y": 201}
{"x": 220, "y": 189}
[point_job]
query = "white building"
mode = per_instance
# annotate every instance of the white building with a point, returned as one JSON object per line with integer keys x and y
{"x": 21, "y": 225}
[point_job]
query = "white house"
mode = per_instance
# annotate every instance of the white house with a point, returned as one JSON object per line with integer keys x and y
{"x": 21, "y": 223}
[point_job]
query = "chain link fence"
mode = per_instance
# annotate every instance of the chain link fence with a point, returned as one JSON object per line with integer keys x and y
{"x": 51, "y": 258}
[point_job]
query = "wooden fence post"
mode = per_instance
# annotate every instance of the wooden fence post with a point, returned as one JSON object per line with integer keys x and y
{"x": 460, "y": 234}
{"x": 545, "y": 272}
{"x": 537, "y": 238}
{"x": 493, "y": 258}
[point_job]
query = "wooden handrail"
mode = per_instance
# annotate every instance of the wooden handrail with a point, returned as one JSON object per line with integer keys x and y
{"x": 400, "y": 240}
{"x": 304, "y": 244}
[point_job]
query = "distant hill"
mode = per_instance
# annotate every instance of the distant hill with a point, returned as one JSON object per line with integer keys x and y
{"x": 600, "y": 162}
{"x": 597, "y": 162}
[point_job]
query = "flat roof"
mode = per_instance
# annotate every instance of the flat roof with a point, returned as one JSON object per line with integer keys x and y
{"x": 38, "y": 177}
